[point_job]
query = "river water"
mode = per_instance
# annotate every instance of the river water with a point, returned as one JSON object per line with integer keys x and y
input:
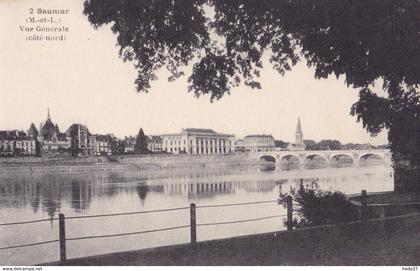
{"x": 32, "y": 197}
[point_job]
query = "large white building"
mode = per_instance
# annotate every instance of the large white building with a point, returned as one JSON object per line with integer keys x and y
{"x": 256, "y": 143}
{"x": 198, "y": 141}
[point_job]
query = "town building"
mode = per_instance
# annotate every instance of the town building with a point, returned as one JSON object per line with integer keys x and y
{"x": 281, "y": 145}
{"x": 129, "y": 143}
{"x": 33, "y": 131}
{"x": 198, "y": 141}
{"x": 299, "y": 145}
{"x": 154, "y": 144}
{"x": 104, "y": 144}
{"x": 82, "y": 142}
{"x": 50, "y": 138}
{"x": 239, "y": 145}
{"x": 256, "y": 143}
{"x": 16, "y": 143}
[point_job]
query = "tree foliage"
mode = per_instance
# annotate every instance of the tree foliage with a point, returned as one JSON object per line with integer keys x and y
{"x": 153, "y": 34}
{"x": 362, "y": 40}
{"x": 317, "y": 207}
{"x": 325, "y": 144}
{"x": 225, "y": 40}
{"x": 281, "y": 144}
{"x": 140, "y": 147}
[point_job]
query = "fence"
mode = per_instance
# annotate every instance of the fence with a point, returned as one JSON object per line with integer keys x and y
{"x": 62, "y": 240}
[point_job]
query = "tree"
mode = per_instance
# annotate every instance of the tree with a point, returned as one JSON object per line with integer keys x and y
{"x": 325, "y": 144}
{"x": 363, "y": 41}
{"x": 141, "y": 143}
{"x": 33, "y": 133}
{"x": 118, "y": 146}
{"x": 280, "y": 144}
{"x": 318, "y": 207}
{"x": 309, "y": 144}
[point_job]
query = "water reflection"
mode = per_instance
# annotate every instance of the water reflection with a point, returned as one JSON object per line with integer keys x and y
{"x": 267, "y": 167}
{"x": 49, "y": 192}
{"x": 200, "y": 190}
{"x": 39, "y": 196}
{"x": 80, "y": 195}
{"x": 81, "y": 192}
{"x": 142, "y": 191}
{"x": 287, "y": 167}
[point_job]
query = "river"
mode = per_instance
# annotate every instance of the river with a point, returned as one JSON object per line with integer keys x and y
{"x": 42, "y": 196}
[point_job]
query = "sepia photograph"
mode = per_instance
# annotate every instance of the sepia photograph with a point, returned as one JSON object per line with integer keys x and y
{"x": 209, "y": 133}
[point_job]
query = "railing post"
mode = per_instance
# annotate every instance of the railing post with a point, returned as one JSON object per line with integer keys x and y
{"x": 193, "y": 224}
{"x": 289, "y": 213}
{"x": 363, "y": 202}
{"x": 62, "y": 234}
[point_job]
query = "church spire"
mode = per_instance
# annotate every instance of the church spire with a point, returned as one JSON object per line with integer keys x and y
{"x": 299, "y": 136}
{"x": 48, "y": 114}
{"x": 298, "y": 127}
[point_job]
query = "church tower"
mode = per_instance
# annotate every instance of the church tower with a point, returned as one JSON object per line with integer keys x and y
{"x": 299, "y": 136}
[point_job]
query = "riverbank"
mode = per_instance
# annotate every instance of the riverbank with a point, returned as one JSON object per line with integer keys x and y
{"x": 37, "y": 196}
{"x": 185, "y": 173}
{"x": 386, "y": 241}
{"x": 34, "y": 165}
{"x": 391, "y": 203}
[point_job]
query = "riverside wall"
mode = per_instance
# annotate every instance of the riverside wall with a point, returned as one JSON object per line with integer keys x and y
{"x": 31, "y": 165}
{"x": 186, "y": 160}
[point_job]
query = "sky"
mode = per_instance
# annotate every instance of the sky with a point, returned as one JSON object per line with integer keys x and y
{"x": 83, "y": 80}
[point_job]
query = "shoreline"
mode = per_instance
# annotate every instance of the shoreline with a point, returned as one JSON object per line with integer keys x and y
{"x": 28, "y": 167}
{"x": 34, "y": 165}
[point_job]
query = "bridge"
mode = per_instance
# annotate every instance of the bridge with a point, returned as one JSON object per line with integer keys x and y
{"x": 323, "y": 156}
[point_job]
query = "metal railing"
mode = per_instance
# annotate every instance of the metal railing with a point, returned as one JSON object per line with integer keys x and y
{"x": 192, "y": 225}
{"x": 27, "y": 222}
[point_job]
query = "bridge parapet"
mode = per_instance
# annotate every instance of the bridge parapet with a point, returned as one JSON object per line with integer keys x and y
{"x": 327, "y": 155}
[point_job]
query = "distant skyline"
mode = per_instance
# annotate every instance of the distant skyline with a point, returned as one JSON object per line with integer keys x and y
{"x": 83, "y": 80}
{"x": 63, "y": 129}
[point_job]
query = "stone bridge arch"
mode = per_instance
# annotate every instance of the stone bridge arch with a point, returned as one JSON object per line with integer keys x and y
{"x": 310, "y": 159}
{"x": 289, "y": 159}
{"x": 366, "y": 155}
{"x": 335, "y": 158}
{"x": 267, "y": 158}
{"x": 316, "y": 154}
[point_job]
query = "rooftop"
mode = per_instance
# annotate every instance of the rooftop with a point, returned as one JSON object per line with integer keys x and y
{"x": 103, "y": 137}
{"x": 74, "y": 129}
{"x": 249, "y": 136}
{"x": 13, "y": 135}
{"x": 198, "y": 130}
